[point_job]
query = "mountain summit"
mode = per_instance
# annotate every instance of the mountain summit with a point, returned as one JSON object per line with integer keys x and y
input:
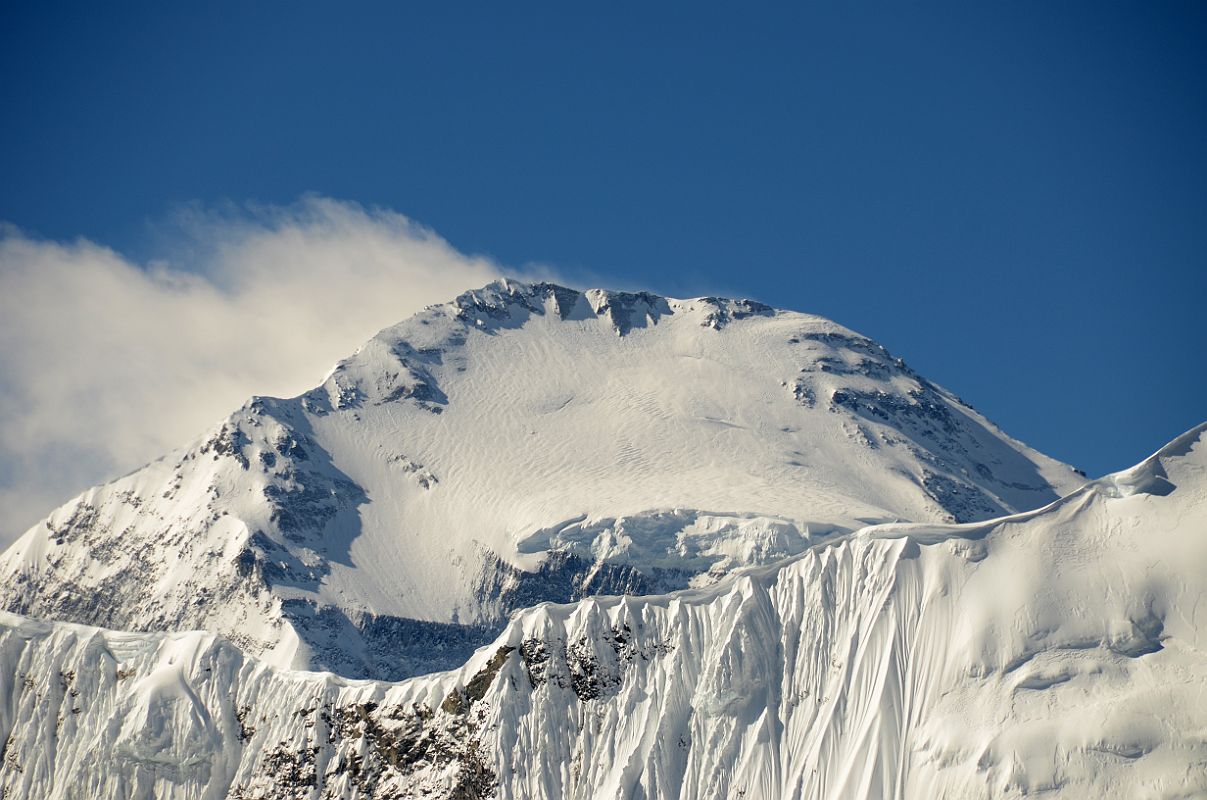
{"x": 521, "y": 443}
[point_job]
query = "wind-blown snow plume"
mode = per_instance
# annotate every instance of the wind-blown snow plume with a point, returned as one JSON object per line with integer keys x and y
{"x": 106, "y": 363}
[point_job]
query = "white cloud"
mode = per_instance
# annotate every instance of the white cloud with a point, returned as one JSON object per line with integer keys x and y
{"x": 106, "y": 364}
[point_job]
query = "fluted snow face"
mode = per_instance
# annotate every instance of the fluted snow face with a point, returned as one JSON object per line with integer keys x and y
{"x": 522, "y": 443}
{"x": 1057, "y": 651}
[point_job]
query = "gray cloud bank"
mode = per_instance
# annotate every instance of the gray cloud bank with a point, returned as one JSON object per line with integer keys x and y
{"x": 106, "y": 364}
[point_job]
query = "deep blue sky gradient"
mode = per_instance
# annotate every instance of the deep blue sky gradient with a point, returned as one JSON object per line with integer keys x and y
{"x": 1012, "y": 196}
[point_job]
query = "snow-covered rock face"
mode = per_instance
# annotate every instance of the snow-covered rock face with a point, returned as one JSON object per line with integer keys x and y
{"x": 519, "y": 444}
{"x": 1056, "y": 652}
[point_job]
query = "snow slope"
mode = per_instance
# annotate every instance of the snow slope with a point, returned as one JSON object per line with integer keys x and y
{"x": 1056, "y": 652}
{"x": 518, "y": 444}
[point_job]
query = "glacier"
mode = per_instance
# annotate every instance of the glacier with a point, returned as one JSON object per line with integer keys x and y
{"x": 1055, "y": 652}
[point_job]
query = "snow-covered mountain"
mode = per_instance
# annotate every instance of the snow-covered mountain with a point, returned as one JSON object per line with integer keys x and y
{"x": 521, "y": 443}
{"x": 1058, "y": 652}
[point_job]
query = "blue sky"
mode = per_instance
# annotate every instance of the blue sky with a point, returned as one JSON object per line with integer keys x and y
{"x": 1011, "y": 196}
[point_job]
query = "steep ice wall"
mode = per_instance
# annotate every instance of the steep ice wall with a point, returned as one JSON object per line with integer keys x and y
{"x": 1058, "y": 652}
